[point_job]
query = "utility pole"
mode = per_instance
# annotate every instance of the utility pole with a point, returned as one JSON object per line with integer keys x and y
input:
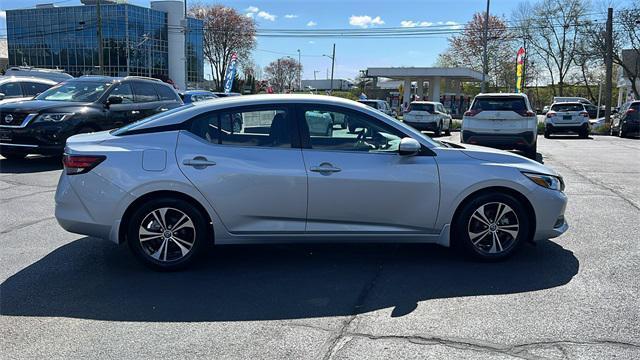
{"x": 485, "y": 59}
{"x": 609, "y": 67}
{"x": 333, "y": 62}
{"x": 99, "y": 36}
{"x": 314, "y": 74}
{"x": 299, "y": 72}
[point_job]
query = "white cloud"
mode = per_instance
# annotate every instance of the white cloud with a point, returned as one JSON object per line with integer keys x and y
{"x": 364, "y": 21}
{"x": 290, "y": 16}
{"x": 411, "y": 23}
{"x": 250, "y": 15}
{"x": 265, "y": 15}
{"x": 453, "y": 25}
{"x": 252, "y": 9}
{"x": 312, "y": 23}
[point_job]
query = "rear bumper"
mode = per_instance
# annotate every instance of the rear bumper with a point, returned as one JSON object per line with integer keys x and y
{"x": 559, "y": 128}
{"x": 522, "y": 140}
{"x": 423, "y": 126}
{"x": 631, "y": 128}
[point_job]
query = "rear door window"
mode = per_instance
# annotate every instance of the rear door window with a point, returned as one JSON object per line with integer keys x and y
{"x": 144, "y": 92}
{"x": 516, "y": 104}
{"x": 165, "y": 93}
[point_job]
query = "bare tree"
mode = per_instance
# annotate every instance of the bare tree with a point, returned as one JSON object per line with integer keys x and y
{"x": 226, "y": 31}
{"x": 283, "y": 73}
{"x": 466, "y": 50}
{"x": 553, "y": 29}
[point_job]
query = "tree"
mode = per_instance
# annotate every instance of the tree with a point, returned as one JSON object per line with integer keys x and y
{"x": 553, "y": 29}
{"x": 466, "y": 50}
{"x": 226, "y": 31}
{"x": 283, "y": 73}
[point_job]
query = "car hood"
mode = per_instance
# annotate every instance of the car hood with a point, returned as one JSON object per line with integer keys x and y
{"x": 505, "y": 158}
{"x": 38, "y": 105}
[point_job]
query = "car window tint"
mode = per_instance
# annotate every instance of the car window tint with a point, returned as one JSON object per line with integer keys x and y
{"x": 144, "y": 92}
{"x": 165, "y": 92}
{"x": 635, "y": 106}
{"x": 34, "y": 88}
{"x": 567, "y": 107}
{"x": 421, "y": 107}
{"x": 259, "y": 127}
{"x": 363, "y": 133}
{"x": 516, "y": 104}
{"x": 11, "y": 90}
{"x": 124, "y": 91}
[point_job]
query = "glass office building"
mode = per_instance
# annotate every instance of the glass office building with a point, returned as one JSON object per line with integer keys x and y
{"x": 135, "y": 41}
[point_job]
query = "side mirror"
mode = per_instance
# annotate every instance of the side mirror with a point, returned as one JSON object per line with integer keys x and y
{"x": 1, "y": 96}
{"x": 409, "y": 147}
{"x": 113, "y": 100}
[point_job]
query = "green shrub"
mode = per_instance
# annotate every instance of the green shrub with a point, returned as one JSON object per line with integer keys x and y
{"x": 602, "y": 130}
{"x": 540, "y": 127}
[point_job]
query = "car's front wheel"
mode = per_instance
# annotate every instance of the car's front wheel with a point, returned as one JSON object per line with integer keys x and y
{"x": 167, "y": 233}
{"x": 491, "y": 226}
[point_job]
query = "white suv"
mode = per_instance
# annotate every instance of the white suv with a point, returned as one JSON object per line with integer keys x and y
{"x": 503, "y": 121}
{"x": 428, "y": 115}
{"x": 567, "y": 117}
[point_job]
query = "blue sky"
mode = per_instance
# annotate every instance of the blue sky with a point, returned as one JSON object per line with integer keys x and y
{"x": 351, "y": 54}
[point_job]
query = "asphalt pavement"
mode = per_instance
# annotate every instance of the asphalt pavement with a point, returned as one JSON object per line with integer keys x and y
{"x": 68, "y": 296}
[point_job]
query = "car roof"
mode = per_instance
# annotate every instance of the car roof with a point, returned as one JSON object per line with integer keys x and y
{"x": 502, "y": 95}
{"x": 568, "y": 103}
{"x": 198, "y": 92}
{"x": 377, "y": 100}
{"x": 4, "y": 79}
{"x": 425, "y": 102}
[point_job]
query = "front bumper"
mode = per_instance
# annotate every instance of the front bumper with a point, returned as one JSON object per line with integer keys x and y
{"x": 522, "y": 140}
{"x": 549, "y": 207}
{"x": 42, "y": 138}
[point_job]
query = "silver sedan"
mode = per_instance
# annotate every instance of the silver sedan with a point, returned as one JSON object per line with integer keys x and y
{"x": 169, "y": 184}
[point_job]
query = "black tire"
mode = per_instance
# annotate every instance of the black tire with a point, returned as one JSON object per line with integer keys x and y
{"x": 200, "y": 234}
{"x": 464, "y": 223}
{"x": 584, "y": 134}
{"x": 448, "y": 131}
{"x": 547, "y": 134}
{"x": 13, "y": 156}
{"x": 438, "y": 131}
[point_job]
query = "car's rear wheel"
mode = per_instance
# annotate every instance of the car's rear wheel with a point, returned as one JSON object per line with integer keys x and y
{"x": 584, "y": 134}
{"x": 491, "y": 226}
{"x": 448, "y": 131}
{"x": 438, "y": 131}
{"x": 167, "y": 233}
{"x": 13, "y": 155}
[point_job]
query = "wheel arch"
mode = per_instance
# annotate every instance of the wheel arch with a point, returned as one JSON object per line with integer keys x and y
{"x": 496, "y": 189}
{"x": 122, "y": 230}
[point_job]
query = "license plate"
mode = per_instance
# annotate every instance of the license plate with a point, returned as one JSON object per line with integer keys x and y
{"x": 566, "y": 117}
{"x": 5, "y": 135}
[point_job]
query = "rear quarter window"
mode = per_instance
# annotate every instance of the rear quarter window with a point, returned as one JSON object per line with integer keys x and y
{"x": 166, "y": 93}
{"x": 516, "y": 104}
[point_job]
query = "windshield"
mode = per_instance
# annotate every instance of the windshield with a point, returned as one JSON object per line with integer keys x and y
{"x": 421, "y": 107}
{"x": 567, "y": 107}
{"x": 123, "y": 130}
{"x": 501, "y": 103}
{"x": 86, "y": 91}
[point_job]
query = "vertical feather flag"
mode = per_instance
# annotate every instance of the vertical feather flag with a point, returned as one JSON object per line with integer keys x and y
{"x": 520, "y": 70}
{"x": 231, "y": 73}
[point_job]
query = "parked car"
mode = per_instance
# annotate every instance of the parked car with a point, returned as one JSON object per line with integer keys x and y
{"x": 81, "y": 105}
{"x": 503, "y": 121}
{"x": 429, "y": 116}
{"x": 562, "y": 99}
{"x": 592, "y": 110}
{"x": 29, "y": 71}
{"x": 190, "y": 96}
{"x": 17, "y": 88}
{"x": 381, "y": 105}
{"x": 172, "y": 184}
{"x": 545, "y": 109}
{"x": 567, "y": 117}
{"x": 627, "y": 122}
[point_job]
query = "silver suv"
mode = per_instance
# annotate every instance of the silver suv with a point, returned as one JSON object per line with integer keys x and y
{"x": 567, "y": 117}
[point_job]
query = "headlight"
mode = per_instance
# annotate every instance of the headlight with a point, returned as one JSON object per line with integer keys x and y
{"x": 547, "y": 181}
{"x": 53, "y": 117}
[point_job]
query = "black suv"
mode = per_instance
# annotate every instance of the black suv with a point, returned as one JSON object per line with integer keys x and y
{"x": 81, "y": 105}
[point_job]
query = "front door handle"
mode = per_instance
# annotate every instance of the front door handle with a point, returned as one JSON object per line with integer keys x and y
{"x": 325, "y": 168}
{"x": 198, "y": 162}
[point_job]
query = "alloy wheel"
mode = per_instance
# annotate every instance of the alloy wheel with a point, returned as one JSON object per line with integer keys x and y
{"x": 167, "y": 234}
{"x": 493, "y": 228}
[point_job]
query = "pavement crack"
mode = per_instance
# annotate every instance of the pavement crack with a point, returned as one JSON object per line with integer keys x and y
{"x": 24, "y": 225}
{"x": 27, "y": 195}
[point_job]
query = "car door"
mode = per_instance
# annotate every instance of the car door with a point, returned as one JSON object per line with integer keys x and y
{"x": 125, "y": 112}
{"x": 358, "y": 183}
{"x": 254, "y": 178}
{"x": 146, "y": 98}
{"x": 168, "y": 98}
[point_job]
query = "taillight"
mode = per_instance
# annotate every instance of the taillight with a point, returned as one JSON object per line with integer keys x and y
{"x": 585, "y": 114}
{"x": 472, "y": 112}
{"x": 631, "y": 111}
{"x": 551, "y": 114}
{"x": 80, "y": 164}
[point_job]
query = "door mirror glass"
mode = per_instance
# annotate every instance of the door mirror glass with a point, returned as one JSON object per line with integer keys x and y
{"x": 409, "y": 146}
{"x": 1, "y": 96}
{"x": 113, "y": 100}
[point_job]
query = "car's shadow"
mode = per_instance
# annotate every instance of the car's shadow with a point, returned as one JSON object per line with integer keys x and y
{"x": 31, "y": 164}
{"x": 92, "y": 279}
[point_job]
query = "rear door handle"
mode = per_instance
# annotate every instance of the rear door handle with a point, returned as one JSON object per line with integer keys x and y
{"x": 198, "y": 162}
{"x": 325, "y": 168}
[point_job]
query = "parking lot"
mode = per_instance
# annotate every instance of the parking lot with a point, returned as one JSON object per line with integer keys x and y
{"x": 64, "y": 295}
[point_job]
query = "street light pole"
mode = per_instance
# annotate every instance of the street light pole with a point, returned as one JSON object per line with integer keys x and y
{"x": 485, "y": 59}
{"x": 299, "y": 72}
{"x": 99, "y": 36}
{"x": 333, "y": 62}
